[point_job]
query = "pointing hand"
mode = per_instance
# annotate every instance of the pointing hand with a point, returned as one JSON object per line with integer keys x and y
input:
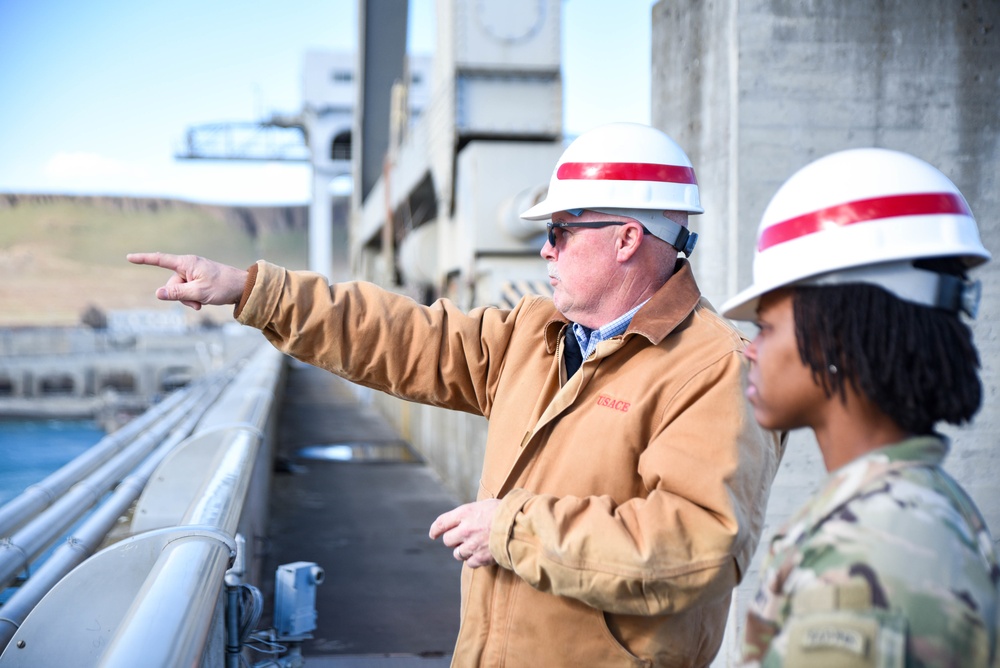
{"x": 196, "y": 281}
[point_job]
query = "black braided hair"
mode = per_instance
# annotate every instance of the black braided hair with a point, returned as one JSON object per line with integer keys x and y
{"x": 917, "y": 364}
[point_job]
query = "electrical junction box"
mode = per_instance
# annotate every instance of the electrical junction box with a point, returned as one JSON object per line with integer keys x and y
{"x": 295, "y": 597}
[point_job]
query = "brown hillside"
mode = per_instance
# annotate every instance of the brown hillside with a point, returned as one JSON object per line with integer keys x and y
{"x": 60, "y": 255}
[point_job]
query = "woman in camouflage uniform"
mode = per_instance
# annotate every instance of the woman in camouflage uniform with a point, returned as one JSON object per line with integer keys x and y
{"x": 859, "y": 285}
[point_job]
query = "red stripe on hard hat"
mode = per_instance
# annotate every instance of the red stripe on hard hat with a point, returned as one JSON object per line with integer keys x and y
{"x": 625, "y": 171}
{"x": 861, "y": 211}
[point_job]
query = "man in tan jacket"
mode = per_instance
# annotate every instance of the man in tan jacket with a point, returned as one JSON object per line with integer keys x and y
{"x": 625, "y": 478}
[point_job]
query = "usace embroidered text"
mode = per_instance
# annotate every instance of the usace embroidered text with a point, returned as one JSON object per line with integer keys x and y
{"x": 610, "y": 402}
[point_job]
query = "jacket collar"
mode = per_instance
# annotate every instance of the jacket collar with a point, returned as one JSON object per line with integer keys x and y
{"x": 665, "y": 310}
{"x": 668, "y": 307}
{"x": 553, "y": 330}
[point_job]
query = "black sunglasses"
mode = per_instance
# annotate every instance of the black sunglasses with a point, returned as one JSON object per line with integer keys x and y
{"x": 551, "y": 226}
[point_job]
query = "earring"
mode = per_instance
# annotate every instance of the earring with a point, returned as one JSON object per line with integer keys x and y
{"x": 833, "y": 369}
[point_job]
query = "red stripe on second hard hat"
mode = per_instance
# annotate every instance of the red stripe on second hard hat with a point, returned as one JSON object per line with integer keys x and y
{"x": 625, "y": 171}
{"x": 861, "y": 211}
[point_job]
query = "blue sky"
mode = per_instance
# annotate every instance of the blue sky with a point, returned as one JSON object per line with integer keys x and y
{"x": 96, "y": 96}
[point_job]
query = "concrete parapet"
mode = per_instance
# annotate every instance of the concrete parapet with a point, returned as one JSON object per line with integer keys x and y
{"x": 82, "y": 373}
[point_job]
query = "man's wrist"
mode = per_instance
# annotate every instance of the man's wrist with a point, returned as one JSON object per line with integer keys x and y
{"x": 251, "y": 279}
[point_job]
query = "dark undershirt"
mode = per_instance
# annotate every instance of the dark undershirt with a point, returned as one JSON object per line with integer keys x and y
{"x": 573, "y": 356}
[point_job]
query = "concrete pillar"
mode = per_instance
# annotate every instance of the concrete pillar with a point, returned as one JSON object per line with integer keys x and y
{"x": 756, "y": 89}
{"x": 320, "y": 230}
{"x": 79, "y": 382}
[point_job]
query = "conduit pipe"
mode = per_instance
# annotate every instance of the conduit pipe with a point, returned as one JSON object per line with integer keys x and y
{"x": 169, "y": 622}
{"x": 173, "y": 612}
{"x": 220, "y": 502}
{"x": 31, "y": 540}
{"x": 39, "y": 496}
{"x": 89, "y": 536}
{"x": 157, "y": 594}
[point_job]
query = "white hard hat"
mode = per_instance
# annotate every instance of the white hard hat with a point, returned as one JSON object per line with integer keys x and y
{"x": 621, "y": 166}
{"x": 864, "y": 215}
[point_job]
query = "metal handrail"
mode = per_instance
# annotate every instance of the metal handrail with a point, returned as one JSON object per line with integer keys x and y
{"x": 40, "y": 495}
{"x": 161, "y": 609}
{"x": 34, "y": 537}
{"x": 88, "y": 537}
{"x": 168, "y": 624}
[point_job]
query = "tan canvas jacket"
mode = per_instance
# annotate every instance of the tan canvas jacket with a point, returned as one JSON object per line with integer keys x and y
{"x": 633, "y": 495}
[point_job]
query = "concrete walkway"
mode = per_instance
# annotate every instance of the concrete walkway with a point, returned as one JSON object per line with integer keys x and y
{"x": 391, "y": 595}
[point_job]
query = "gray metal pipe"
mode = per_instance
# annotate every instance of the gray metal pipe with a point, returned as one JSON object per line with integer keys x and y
{"x": 89, "y": 536}
{"x": 232, "y": 626}
{"x": 32, "y": 539}
{"x": 40, "y": 495}
{"x": 220, "y": 502}
{"x": 172, "y": 614}
{"x": 169, "y": 621}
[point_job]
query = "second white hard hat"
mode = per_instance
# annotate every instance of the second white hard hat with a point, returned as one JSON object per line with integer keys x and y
{"x": 861, "y": 215}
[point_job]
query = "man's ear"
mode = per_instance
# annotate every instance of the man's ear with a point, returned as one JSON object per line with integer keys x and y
{"x": 627, "y": 241}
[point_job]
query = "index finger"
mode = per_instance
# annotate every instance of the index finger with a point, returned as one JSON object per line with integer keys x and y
{"x": 444, "y": 523}
{"x": 165, "y": 260}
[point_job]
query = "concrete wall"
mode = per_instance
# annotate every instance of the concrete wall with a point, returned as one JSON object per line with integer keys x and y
{"x": 756, "y": 89}
{"x": 72, "y": 373}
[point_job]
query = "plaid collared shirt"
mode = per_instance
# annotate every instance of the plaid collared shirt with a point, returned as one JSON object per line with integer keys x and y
{"x": 589, "y": 338}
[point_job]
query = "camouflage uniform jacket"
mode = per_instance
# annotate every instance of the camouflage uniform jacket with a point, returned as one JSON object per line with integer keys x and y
{"x": 889, "y": 564}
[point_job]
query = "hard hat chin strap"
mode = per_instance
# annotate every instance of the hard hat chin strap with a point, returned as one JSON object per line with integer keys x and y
{"x": 920, "y": 286}
{"x": 662, "y": 227}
